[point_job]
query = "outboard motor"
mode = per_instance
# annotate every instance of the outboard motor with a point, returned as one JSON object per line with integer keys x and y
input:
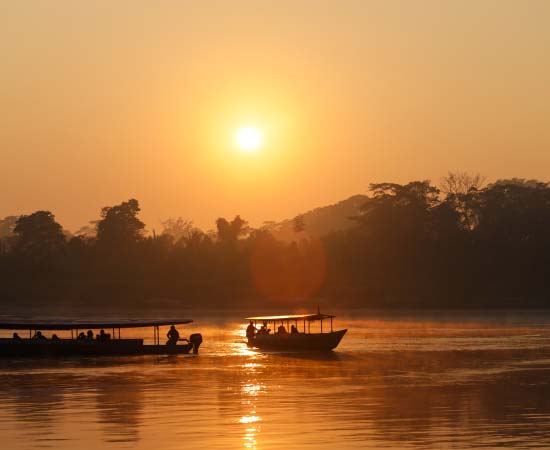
{"x": 196, "y": 340}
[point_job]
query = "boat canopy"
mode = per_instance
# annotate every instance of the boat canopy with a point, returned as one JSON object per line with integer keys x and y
{"x": 20, "y": 324}
{"x": 308, "y": 317}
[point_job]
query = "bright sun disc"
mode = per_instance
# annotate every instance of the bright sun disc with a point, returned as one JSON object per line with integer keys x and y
{"x": 249, "y": 139}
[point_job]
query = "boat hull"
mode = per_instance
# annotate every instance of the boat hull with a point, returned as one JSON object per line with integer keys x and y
{"x": 69, "y": 347}
{"x": 298, "y": 342}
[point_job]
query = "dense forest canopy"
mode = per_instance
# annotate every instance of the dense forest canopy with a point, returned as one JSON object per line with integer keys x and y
{"x": 412, "y": 245}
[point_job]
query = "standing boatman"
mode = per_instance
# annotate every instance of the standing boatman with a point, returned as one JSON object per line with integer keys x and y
{"x": 172, "y": 335}
{"x": 250, "y": 330}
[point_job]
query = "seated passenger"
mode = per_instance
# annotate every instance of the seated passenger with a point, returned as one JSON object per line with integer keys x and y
{"x": 281, "y": 329}
{"x": 102, "y": 336}
{"x": 38, "y": 336}
{"x": 90, "y": 335}
{"x": 264, "y": 329}
{"x": 81, "y": 336}
{"x": 16, "y": 337}
{"x": 172, "y": 335}
{"x": 294, "y": 329}
{"x": 55, "y": 337}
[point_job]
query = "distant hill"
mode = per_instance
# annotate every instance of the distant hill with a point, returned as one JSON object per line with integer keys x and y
{"x": 321, "y": 221}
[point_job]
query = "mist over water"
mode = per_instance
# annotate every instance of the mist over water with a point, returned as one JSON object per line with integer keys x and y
{"x": 458, "y": 380}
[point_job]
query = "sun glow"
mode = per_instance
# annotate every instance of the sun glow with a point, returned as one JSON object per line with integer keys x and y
{"x": 249, "y": 139}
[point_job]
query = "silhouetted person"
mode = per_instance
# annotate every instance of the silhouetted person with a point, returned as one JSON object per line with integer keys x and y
{"x": 38, "y": 336}
{"x": 264, "y": 329}
{"x": 102, "y": 336}
{"x": 250, "y": 330}
{"x": 90, "y": 335}
{"x": 293, "y": 329}
{"x": 172, "y": 335}
{"x": 16, "y": 337}
{"x": 55, "y": 337}
{"x": 281, "y": 329}
{"x": 81, "y": 336}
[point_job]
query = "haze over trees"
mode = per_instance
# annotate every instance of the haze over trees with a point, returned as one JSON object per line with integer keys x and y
{"x": 465, "y": 244}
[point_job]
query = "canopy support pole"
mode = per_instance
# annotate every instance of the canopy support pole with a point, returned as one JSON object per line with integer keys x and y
{"x": 157, "y": 335}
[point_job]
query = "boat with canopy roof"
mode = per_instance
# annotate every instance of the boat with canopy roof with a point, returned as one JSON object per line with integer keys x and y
{"x": 299, "y": 337}
{"x": 86, "y": 344}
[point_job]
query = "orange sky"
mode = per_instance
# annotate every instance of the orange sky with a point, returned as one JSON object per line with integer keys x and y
{"x": 103, "y": 101}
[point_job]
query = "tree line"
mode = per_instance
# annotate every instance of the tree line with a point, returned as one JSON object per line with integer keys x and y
{"x": 462, "y": 244}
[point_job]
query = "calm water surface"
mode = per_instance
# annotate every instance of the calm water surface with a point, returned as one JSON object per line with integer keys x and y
{"x": 437, "y": 381}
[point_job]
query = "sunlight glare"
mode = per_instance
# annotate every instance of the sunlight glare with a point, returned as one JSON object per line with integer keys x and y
{"x": 249, "y": 419}
{"x": 249, "y": 139}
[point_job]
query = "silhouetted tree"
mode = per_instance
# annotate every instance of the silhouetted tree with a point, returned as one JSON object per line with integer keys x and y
{"x": 7, "y": 224}
{"x": 461, "y": 190}
{"x": 514, "y": 212}
{"x": 178, "y": 228}
{"x": 119, "y": 225}
{"x": 457, "y": 183}
{"x": 196, "y": 241}
{"x": 230, "y": 232}
{"x": 38, "y": 236}
{"x": 400, "y": 211}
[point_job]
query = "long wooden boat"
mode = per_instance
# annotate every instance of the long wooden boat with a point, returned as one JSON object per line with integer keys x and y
{"x": 103, "y": 344}
{"x": 296, "y": 338}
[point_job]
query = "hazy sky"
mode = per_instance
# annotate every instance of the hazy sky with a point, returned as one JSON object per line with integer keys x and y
{"x": 102, "y": 101}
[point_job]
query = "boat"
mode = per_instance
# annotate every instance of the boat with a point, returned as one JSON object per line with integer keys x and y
{"x": 81, "y": 344}
{"x": 296, "y": 338}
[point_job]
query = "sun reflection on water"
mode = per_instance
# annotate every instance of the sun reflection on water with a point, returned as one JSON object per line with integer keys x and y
{"x": 243, "y": 350}
{"x": 251, "y": 366}
{"x": 249, "y": 419}
{"x": 250, "y": 438}
{"x": 250, "y": 390}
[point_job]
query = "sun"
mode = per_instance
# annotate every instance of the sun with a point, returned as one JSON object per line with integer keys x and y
{"x": 249, "y": 139}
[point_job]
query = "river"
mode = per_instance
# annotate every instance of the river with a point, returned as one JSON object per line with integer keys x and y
{"x": 398, "y": 380}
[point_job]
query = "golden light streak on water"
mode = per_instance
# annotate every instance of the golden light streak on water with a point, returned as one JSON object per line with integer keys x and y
{"x": 249, "y": 419}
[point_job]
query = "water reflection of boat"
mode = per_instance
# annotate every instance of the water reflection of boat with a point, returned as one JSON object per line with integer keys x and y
{"x": 296, "y": 338}
{"x": 103, "y": 344}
